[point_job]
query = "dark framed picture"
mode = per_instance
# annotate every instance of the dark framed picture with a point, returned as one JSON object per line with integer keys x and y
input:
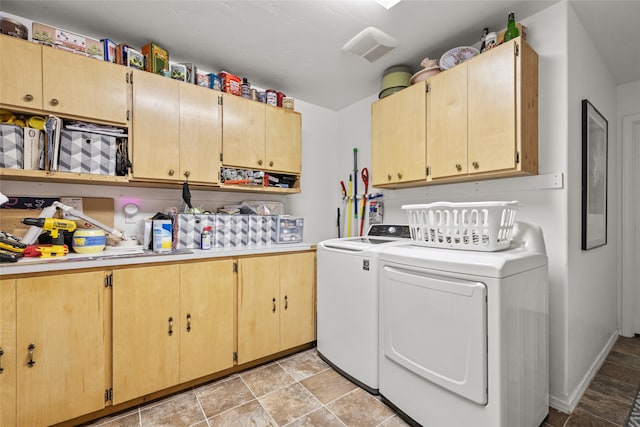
{"x": 595, "y": 135}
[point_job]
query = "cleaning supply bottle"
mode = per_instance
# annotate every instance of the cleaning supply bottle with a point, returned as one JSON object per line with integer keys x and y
{"x": 205, "y": 238}
{"x": 245, "y": 88}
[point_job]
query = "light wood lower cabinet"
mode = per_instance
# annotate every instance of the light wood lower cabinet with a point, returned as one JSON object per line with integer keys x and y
{"x": 61, "y": 347}
{"x": 276, "y": 304}
{"x": 7, "y": 352}
{"x": 146, "y": 343}
{"x": 171, "y": 324}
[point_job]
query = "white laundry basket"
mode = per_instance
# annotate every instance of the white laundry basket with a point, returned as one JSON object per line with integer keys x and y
{"x": 476, "y": 226}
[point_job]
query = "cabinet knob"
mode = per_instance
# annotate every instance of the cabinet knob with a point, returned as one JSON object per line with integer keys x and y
{"x": 270, "y": 163}
{"x": 399, "y": 175}
{"x": 171, "y": 172}
{"x": 260, "y": 162}
{"x": 388, "y": 177}
{"x": 273, "y": 310}
{"x": 476, "y": 165}
{"x": 286, "y": 302}
{"x": 188, "y": 322}
{"x": 170, "y": 331}
{"x": 187, "y": 173}
{"x": 31, "y": 361}
{"x": 1, "y": 354}
{"x": 458, "y": 167}
{"x": 28, "y": 97}
{"x": 54, "y": 102}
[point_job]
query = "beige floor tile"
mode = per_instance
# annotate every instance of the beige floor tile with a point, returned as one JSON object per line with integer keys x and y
{"x": 250, "y": 414}
{"x": 127, "y": 419}
{"x": 604, "y": 407}
{"x": 394, "y": 421}
{"x": 289, "y": 403}
{"x": 266, "y": 379}
{"x": 360, "y": 409}
{"x": 580, "y": 418}
{"x": 614, "y": 388}
{"x": 303, "y": 365}
{"x": 223, "y": 395}
{"x": 319, "y": 418}
{"x": 183, "y": 410}
{"x": 328, "y": 385}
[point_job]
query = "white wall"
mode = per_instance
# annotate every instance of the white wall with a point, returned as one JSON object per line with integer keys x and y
{"x": 593, "y": 280}
{"x": 629, "y": 99}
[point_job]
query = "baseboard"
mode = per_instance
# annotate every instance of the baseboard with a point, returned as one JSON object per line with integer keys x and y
{"x": 567, "y": 406}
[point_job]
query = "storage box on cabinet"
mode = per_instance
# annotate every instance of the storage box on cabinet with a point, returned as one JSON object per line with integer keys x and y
{"x": 86, "y": 152}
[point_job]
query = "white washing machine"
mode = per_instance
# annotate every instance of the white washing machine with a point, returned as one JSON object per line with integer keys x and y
{"x": 464, "y": 335}
{"x": 347, "y": 302}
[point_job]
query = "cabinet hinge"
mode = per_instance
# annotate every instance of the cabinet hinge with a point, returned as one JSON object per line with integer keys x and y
{"x": 428, "y": 170}
{"x": 235, "y": 266}
{"x": 516, "y": 48}
{"x": 131, "y": 78}
{"x": 235, "y": 356}
{"x": 220, "y": 156}
{"x": 128, "y": 115}
{"x": 126, "y": 77}
{"x": 427, "y": 87}
{"x": 108, "y": 395}
{"x": 517, "y": 157}
{"x": 108, "y": 280}
{"x": 219, "y": 100}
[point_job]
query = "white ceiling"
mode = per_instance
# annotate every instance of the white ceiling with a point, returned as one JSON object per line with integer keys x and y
{"x": 295, "y": 46}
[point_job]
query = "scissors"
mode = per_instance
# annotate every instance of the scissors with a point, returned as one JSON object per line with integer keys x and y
{"x": 365, "y": 179}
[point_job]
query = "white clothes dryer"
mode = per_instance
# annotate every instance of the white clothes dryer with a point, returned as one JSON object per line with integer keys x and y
{"x": 464, "y": 335}
{"x": 347, "y": 302}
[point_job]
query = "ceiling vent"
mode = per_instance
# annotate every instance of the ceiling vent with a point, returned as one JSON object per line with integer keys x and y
{"x": 371, "y": 43}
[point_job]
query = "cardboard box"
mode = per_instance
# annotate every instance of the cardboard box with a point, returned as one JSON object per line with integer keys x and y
{"x": 203, "y": 78}
{"x": 156, "y": 59}
{"x": 191, "y": 72}
{"x": 178, "y": 71}
{"x": 66, "y": 40}
{"x": 216, "y": 82}
{"x": 11, "y": 146}
{"x": 109, "y": 50}
{"x": 43, "y": 34}
{"x": 33, "y": 148}
{"x": 230, "y": 83}
{"x": 86, "y": 152}
{"x": 134, "y": 59}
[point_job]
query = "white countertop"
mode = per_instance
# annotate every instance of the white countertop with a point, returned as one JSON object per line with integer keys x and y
{"x": 105, "y": 259}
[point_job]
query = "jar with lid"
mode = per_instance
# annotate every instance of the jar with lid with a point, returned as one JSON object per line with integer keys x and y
{"x": 271, "y": 97}
{"x": 245, "y": 89}
{"x": 205, "y": 238}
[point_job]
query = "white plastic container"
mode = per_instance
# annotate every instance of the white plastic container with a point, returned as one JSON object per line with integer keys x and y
{"x": 476, "y": 226}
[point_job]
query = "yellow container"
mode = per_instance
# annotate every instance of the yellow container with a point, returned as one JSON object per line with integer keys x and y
{"x": 88, "y": 241}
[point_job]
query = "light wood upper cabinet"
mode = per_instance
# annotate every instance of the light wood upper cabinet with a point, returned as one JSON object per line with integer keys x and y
{"x": 276, "y": 304}
{"x": 8, "y": 352}
{"x": 156, "y": 127}
{"x": 37, "y": 79}
{"x": 200, "y": 134}
{"x": 146, "y": 342}
{"x": 20, "y": 73}
{"x": 176, "y": 130}
{"x": 78, "y": 86}
{"x": 259, "y": 136}
{"x": 480, "y": 122}
{"x": 61, "y": 346}
{"x": 447, "y": 123}
{"x": 206, "y": 318}
{"x": 283, "y": 147}
{"x": 398, "y": 137}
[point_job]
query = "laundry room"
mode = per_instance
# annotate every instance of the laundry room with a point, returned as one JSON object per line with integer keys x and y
{"x": 322, "y": 213}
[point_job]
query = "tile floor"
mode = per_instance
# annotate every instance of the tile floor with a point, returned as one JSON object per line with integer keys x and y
{"x": 302, "y": 390}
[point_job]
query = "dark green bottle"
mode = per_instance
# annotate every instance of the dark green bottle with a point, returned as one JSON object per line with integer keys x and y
{"x": 512, "y": 31}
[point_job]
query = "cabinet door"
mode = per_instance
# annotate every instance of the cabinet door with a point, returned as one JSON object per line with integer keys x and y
{"x": 297, "y": 299}
{"x": 398, "y": 137}
{"x": 146, "y": 341}
{"x": 8, "y": 352}
{"x": 492, "y": 110}
{"x": 200, "y": 133}
{"x": 206, "y": 318}
{"x": 243, "y": 140}
{"x": 20, "y": 73}
{"x": 447, "y": 123}
{"x": 258, "y": 308}
{"x": 61, "y": 341}
{"x": 84, "y": 87}
{"x": 156, "y": 127}
{"x": 283, "y": 140}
